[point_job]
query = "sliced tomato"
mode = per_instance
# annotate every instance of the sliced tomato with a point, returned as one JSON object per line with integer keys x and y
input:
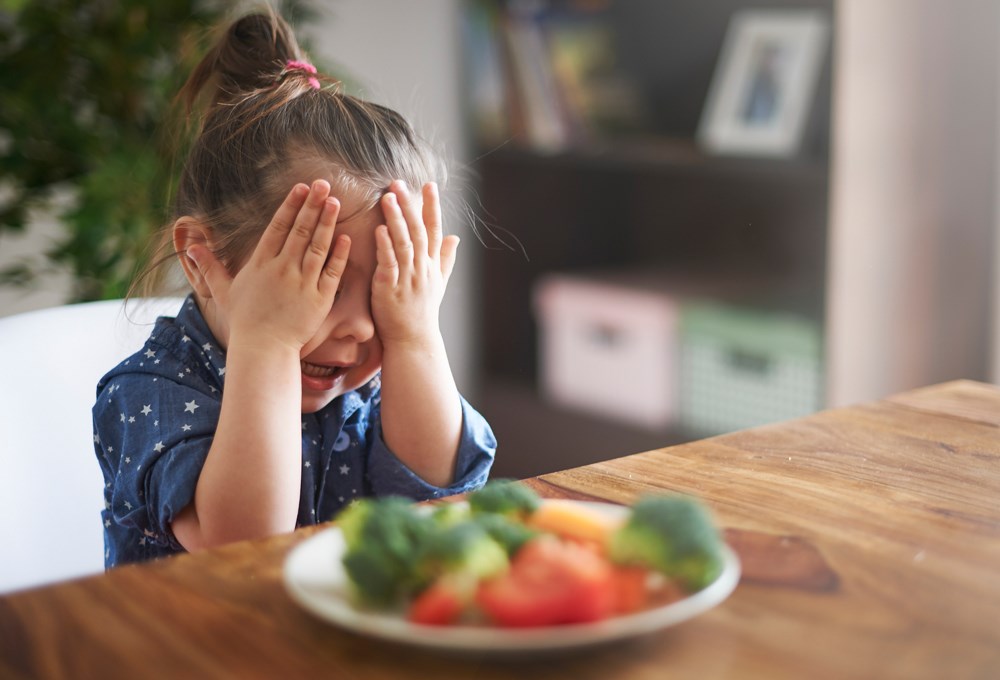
{"x": 550, "y": 582}
{"x": 631, "y": 590}
{"x": 438, "y": 605}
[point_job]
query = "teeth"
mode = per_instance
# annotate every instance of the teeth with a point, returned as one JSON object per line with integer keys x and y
{"x": 317, "y": 371}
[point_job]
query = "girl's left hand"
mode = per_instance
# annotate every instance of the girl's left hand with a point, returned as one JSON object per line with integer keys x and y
{"x": 414, "y": 262}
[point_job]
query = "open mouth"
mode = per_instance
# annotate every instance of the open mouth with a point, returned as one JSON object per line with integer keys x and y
{"x": 317, "y": 371}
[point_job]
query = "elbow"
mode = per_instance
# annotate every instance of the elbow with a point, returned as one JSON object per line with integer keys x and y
{"x": 200, "y": 531}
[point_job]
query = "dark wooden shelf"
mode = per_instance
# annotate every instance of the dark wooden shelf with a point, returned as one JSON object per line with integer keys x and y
{"x": 641, "y": 199}
{"x": 575, "y": 212}
{"x": 535, "y": 436}
{"x": 663, "y": 155}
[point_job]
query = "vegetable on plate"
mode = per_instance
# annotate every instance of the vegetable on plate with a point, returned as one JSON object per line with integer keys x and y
{"x": 509, "y": 558}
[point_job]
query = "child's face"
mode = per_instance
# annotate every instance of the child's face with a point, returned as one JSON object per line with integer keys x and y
{"x": 346, "y": 353}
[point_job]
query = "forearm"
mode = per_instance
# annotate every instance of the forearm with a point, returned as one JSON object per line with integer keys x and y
{"x": 266, "y": 314}
{"x": 251, "y": 480}
{"x": 421, "y": 410}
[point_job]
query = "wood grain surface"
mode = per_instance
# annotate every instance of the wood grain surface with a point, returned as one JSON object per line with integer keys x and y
{"x": 869, "y": 537}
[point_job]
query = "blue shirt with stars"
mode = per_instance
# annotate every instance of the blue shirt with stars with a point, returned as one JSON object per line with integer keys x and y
{"x": 155, "y": 417}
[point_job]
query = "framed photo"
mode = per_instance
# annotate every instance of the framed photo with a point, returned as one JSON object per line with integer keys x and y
{"x": 765, "y": 82}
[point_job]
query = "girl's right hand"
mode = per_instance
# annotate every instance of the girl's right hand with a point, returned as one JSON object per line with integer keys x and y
{"x": 286, "y": 289}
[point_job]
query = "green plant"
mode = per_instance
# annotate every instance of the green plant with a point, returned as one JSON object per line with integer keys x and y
{"x": 86, "y": 110}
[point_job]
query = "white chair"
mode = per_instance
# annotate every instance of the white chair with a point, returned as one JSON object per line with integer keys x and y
{"x": 50, "y": 481}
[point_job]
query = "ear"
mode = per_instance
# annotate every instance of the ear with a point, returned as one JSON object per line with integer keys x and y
{"x": 187, "y": 232}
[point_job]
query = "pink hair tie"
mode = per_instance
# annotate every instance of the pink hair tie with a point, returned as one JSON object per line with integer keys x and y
{"x": 295, "y": 65}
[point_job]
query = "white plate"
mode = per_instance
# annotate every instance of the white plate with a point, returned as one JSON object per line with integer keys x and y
{"x": 315, "y": 579}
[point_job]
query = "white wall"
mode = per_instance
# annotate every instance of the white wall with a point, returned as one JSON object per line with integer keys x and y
{"x": 913, "y": 205}
{"x": 995, "y": 339}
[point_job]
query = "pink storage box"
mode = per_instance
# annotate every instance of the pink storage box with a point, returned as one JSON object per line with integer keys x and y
{"x": 608, "y": 349}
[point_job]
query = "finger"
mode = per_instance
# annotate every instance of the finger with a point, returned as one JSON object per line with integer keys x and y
{"x": 410, "y": 206}
{"x": 213, "y": 272}
{"x": 318, "y": 251}
{"x": 333, "y": 271}
{"x": 387, "y": 265}
{"x": 277, "y": 230}
{"x": 432, "y": 218}
{"x": 449, "y": 255}
{"x": 397, "y": 231}
{"x": 301, "y": 234}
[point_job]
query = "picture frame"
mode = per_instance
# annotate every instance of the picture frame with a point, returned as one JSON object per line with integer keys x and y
{"x": 764, "y": 83}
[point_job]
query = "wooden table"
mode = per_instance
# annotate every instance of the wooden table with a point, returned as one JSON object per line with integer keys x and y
{"x": 870, "y": 541}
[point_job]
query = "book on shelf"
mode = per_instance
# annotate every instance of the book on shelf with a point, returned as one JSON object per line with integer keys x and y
{"x": 544, "y": 74}
{"x": 485, "y": 75}
{"x": 541, "y": 107}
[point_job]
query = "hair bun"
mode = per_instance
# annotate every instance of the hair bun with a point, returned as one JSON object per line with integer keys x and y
{"x": 259, "y": 47}
{"x": 250, "y": 55}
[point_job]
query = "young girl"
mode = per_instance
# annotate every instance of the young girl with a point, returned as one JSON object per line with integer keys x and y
{"x": 307, "y": 368}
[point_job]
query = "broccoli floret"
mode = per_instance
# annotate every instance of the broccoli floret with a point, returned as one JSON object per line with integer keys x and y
{"x": 352, "y": 518}
{"x": 671, "y": 534}
{"x": 383, "y": 538}
{"x": 448, "y": 514}
{"x": 463, "y": 550}
{"x": 504, "y": 497}
{"x": 508, "y": 533}
{"x": 393, "y": 550}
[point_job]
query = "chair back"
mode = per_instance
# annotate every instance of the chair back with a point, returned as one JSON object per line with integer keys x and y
{"x": 50, "y": 481}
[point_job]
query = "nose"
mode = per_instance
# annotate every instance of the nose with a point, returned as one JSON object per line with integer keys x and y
{"x": 351, "y": 317}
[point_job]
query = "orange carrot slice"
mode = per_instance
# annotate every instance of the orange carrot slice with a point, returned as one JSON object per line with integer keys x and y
{"x": 574, "y": 520}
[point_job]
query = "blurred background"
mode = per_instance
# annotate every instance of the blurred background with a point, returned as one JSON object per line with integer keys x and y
{"x": 649, "y": 263}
